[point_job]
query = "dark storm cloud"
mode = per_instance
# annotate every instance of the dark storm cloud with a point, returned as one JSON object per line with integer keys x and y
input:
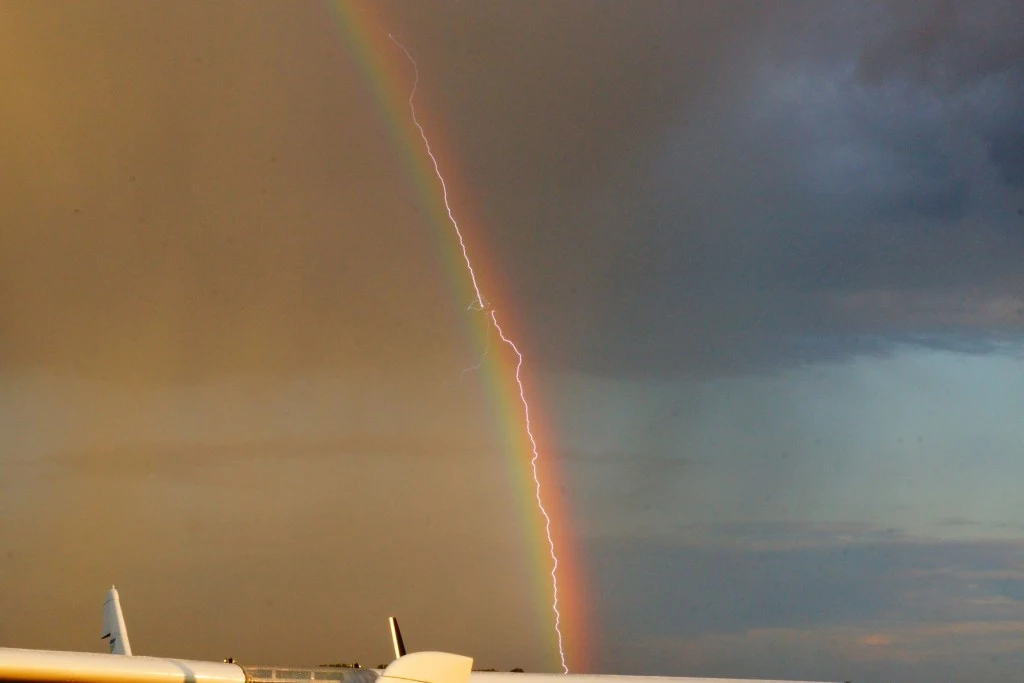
{"x": 582, "y": 90}
{"x": 558, "y": 156}
{"x": 944, "y": 44}
{"x": 663, "y": 187}
{"x": 760, "y": 168}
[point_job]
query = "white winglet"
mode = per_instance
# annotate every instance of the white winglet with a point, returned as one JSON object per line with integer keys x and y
{"x": 114, "y": 630}
{"x": 396, "y": 638}
{"x": 428, "y": 667}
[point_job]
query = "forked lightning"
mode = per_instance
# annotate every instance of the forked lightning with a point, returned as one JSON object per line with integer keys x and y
{"x": 480, "y": 303}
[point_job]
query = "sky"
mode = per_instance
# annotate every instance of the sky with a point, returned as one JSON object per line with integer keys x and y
{"x": 763, "y": 260}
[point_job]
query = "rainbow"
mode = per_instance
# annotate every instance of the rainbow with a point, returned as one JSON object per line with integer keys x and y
{"x": 388, "y": 75}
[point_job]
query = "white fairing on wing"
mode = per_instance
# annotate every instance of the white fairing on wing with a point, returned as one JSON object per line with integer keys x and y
{"x": 428, "y": 667}
{"x": 46, "y": 666}
{"x": 114, "y": 630}
{"x": 501, "y": 677}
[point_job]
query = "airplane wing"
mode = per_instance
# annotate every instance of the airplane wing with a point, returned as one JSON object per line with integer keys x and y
{"x": 119, "y": 666}
{"x": 48, "y": 666}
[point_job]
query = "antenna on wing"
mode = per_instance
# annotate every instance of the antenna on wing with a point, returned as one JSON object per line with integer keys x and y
{"x": 396, "y": 638}
{"x": 114, "y": 630}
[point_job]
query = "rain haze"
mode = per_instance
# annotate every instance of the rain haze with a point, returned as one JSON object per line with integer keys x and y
{"x": 765, "y": 262}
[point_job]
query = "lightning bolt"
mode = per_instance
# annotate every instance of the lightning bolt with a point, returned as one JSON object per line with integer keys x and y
{"x": 480, "y": 363}
{"x": 480, "y": 304}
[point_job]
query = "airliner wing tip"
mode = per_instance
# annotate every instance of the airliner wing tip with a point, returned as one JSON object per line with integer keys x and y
{"x": 113, "y": 625}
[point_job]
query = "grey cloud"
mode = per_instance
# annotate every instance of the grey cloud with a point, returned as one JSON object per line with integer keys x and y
{"x": 814, "y": 185}
{"x": 957, "y": 522}
{"x": 665, "y": 589}
{"x": 1012, "y": 588}
{"x": 1006, "y": 148}
{"x": 942, "y": 44}
{"x": 801, "y": 582}
{"x": 581, "y": 92}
